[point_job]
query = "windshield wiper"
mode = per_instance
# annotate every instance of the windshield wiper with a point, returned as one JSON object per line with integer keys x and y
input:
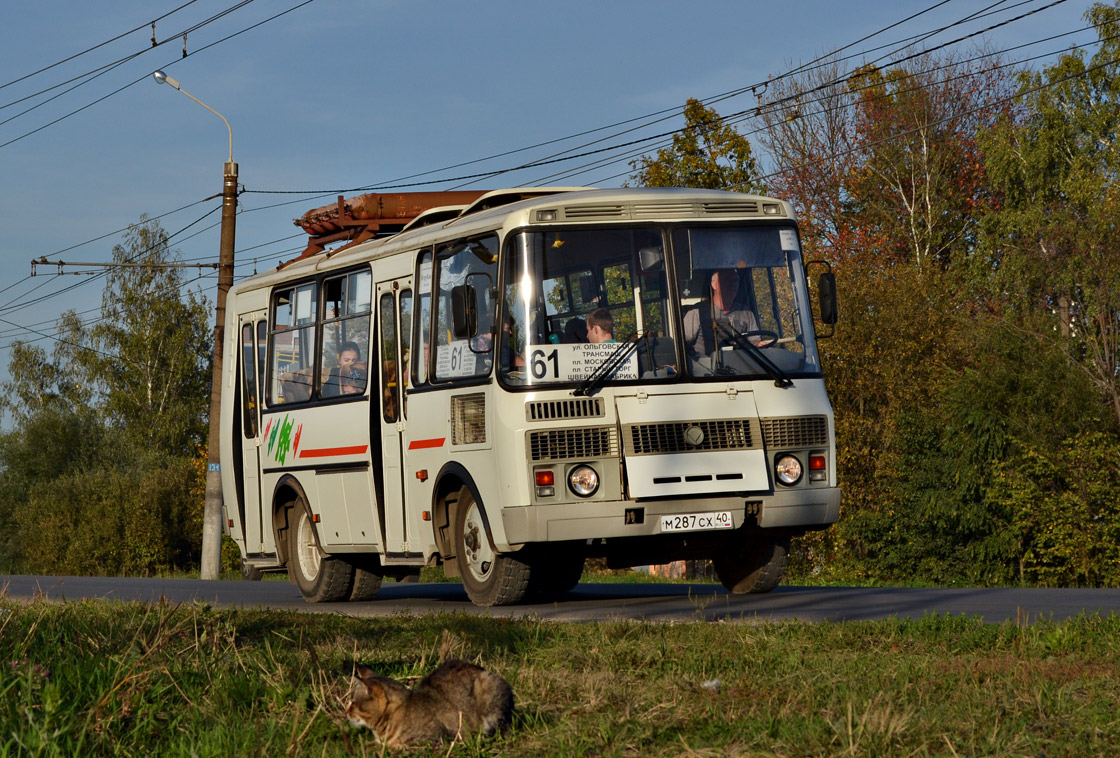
{"x": 775, "y": 373}
{"x": 608, "y": 366}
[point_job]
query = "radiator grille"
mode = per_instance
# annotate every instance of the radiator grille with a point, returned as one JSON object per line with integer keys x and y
{"x": 547, "y": 410}
{"x": 468, "y": 419}
{"x": 571, "y": 444}
{"x": 799, "y": 431}
{"x": 726, "y": 434}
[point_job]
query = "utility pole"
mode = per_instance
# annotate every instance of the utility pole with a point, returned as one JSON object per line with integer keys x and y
{"x": 212, "y": 514}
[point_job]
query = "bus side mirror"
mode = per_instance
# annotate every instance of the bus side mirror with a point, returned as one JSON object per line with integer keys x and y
{"x": 464, "y": 312}
{"x": 826, "y": 289}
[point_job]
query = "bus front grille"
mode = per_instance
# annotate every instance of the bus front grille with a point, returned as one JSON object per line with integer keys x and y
{"x": 798, "y": 431}
{"x": 692, "y": 436}
{"x": 573, "y": 444}
{"x": 548, "y": 410}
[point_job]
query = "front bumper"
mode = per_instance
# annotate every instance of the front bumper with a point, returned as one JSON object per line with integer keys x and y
{"x": 796, "y": 509}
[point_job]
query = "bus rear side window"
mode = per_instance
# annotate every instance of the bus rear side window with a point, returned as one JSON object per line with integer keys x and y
{"x": 292, "y": 344}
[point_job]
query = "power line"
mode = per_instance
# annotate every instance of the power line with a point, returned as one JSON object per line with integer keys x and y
{"x": 99, "y": 45}
{"x": 145, "y": 76}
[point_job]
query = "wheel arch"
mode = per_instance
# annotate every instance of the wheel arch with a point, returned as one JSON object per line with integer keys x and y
{"x": 449, "y": 481}
{"x": 285, "y": 494}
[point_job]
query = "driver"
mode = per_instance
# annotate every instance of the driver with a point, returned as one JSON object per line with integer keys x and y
{"x": 699, "y": 337}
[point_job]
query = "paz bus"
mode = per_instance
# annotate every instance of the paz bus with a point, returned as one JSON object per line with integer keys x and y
{"x": 429, "y": 393}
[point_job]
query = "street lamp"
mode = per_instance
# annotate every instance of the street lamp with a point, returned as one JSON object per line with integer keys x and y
{"x": 212, "y": 515}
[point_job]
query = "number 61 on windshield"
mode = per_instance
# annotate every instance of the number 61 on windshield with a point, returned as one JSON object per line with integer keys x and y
{"x": 574, "y": 363}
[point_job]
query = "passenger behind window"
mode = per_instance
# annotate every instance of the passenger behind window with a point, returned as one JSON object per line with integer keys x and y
{"x": 600, "y": 326}
{"x": 349, "y": 376}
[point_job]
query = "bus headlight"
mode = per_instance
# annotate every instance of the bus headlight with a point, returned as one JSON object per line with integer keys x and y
{"x": 788, "y": 470}
{"x": 583, "y": 481}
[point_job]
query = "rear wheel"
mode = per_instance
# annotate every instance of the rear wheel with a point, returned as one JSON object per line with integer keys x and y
{"x": 489, "y": 577}
{"x": 368, "y": 575}
{"x": 753, "y": 565}
{"x": 320, "y": 578}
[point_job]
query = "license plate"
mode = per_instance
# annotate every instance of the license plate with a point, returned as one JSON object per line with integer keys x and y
{"x": 691, "y": 522}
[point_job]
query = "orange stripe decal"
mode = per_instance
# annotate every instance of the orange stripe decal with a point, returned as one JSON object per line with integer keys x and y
{"x": 422, "y": 444}
{"x": 326, "y": 452}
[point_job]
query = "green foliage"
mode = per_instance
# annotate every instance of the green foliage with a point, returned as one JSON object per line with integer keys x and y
{"x": 1064, "y": 510}
{"x": 99, "y": 470}
{"x": 152, "y": 346}
{"x": 1051, "y": 245}
{"x": 707, "y": 153}
{"x": 102, "y": 678}
{"x": 134, "y": 521}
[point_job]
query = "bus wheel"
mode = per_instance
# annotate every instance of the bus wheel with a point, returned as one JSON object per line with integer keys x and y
{"x": 754, "y": 565}
{"x": 368, "y": 575}
{"x": 320, "y": 578}
{"x": 489, "y": 577}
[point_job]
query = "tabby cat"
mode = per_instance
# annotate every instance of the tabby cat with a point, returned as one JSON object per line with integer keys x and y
{"x": 456, "y": 698}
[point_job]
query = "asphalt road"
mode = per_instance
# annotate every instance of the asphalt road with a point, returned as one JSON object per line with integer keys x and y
{"x": 598, "y": 602}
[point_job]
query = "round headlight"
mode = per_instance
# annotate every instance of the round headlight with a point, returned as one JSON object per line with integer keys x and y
{"x": 583, "y": 480}
{"x": 788, "y": 470}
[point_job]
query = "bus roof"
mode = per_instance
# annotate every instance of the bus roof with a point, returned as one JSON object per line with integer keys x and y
{"x": 523, "y": 206}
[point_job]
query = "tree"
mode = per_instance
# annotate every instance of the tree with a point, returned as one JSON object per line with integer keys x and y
{"x": 1051, "y": 247}
{"x": 707, "y": 153}
{"x": 151, "y": 349}
{"x": 98, "y": 472}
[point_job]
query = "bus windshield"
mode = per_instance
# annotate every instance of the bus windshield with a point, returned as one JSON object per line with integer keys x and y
{"x": 572, "y": 296}
{"x": 731, "y": 302}
{"x": 743, "y": 302}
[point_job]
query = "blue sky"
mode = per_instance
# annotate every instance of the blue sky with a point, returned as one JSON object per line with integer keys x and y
{"x": 349, "y": 93}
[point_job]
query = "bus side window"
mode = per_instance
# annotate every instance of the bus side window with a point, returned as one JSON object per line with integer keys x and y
{"x": 467, "y": 270}
{"x": 405, "y": 305}
{"x": 292, "y": 343}
{"x": 251, "y": 397}
{"x": 423, "y": 320}
{"x": 390, "y": 388}
{"x": 346, "y": 314}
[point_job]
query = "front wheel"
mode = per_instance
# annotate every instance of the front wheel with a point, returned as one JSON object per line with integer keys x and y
{"x": 320, "y": 578}
{"x": 752, "y": 565}
{"x": 489, "y": 577}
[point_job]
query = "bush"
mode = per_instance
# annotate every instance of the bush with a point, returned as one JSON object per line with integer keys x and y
{"x": 113, "y": 521}
{"x": 1065, "y": 512}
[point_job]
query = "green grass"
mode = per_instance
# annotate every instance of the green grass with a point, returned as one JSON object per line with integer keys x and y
{"x": 104, "y": 678}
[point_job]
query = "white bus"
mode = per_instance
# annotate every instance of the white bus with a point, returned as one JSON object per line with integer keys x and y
{"x": 542, "y": 376}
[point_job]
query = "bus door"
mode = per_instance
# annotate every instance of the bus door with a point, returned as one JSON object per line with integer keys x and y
{"x": 394, "y": 310}
{"x": 254, "y": 339}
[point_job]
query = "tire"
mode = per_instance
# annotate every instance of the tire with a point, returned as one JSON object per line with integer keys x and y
{"x": 320, "y": 578}
{"x": 754, "y": 565}
{"x": 489, "y": 577}
{"x": 410, "y": 576}
{"x": 368, "y": 576}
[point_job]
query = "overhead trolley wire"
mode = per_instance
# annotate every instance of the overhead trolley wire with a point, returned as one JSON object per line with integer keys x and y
{"x": 99, "y": 45}
{"x": 147, "y": 74}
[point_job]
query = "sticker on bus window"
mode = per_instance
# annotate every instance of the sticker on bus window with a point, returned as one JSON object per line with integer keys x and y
{"x": 574, "y": 363}
{"x": 789, "y": 240}
{"x": 456, "y": 360}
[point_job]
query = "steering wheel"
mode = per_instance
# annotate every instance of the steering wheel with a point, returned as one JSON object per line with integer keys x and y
{"x": 762, "y": 338}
